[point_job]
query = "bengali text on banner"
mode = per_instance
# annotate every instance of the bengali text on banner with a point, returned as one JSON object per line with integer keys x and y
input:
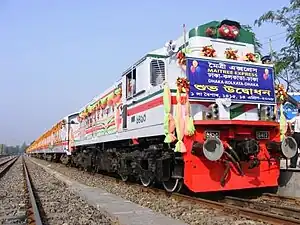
{"x": 210, "y": 79}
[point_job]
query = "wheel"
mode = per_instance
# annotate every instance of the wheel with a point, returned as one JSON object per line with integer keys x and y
{"x": 124, "y": 177}
{"x": 146, "y": 180}
{"x": 173, "y": 185}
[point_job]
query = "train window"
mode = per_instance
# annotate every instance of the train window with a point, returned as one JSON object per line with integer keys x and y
{"x": 131, "y": 83}
{"x": 157, "y": 72}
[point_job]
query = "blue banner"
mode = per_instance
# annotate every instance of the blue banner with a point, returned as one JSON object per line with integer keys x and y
{"x": 211, "y": 79}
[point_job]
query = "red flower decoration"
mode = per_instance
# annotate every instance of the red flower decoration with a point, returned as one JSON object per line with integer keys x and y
{"x": 183, "y": 84}
{"x": 231, "y": 54}
{"x": 250, "y": 57}
{"x": 210, "y": 31}
{"x": 208, "y": 51}
{"x": 181, "y": 58}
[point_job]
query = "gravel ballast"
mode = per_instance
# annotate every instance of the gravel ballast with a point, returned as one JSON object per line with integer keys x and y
{"x": 183, "y": 210}
{"x": 12, "y": 195}
{"x": 59, "y": 205}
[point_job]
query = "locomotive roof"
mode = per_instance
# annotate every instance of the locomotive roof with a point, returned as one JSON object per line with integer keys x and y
{"x": 245, "y": 37}
{"x": 157, "y": 53}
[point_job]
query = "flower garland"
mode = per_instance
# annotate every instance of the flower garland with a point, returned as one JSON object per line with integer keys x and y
{"x": 231, "y": 54}
{"x": 111, "y": 99}
{"x": 118, "y": 95}
{"x": 281, "y": 95}
{"x": 208, "y": 51}
{"x": 179, "y": 123}
{"x": 169, "y": 123}
{"x": 103, "y": 103}
{"x": 184, "y": 124}
{"x": 189, "y": 128}
{"x": 181, "y": 60}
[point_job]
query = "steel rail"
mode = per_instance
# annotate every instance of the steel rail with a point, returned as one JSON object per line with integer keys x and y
{"x": 8, "y": 164}
{"x": 249, "y": 213}
{"x": 243, "y": 211}
{"x": 6, "y": 161}
{"x": 294, "y": 200}
{"x": 267, "y": 207}
{"x": 33, "y": 211}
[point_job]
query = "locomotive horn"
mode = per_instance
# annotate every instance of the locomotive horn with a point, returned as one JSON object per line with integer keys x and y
{"x": 213, "y": 148}
{"x": 289, "y": 147}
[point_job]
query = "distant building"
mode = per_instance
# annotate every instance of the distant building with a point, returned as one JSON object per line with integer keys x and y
{"x": 1, "y": 149}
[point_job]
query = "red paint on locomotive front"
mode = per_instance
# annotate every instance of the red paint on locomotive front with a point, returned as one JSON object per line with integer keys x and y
{"x": 202, "y": 175}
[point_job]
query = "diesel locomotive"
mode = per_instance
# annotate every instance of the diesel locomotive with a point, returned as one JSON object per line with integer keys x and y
{"x": 200, "y": 111}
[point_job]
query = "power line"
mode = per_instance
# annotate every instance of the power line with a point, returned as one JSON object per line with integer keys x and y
{"x": 277, "y": 39}
{"x": 273, "y": 35}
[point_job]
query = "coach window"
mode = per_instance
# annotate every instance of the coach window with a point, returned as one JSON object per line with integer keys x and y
{"x": 157, "y": 72}
{"x": 131, "y": 83}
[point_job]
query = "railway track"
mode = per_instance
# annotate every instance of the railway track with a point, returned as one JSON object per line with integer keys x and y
{"x": 270, "y": 208}
{"x": 279, "y": 199}
{"x": 265, "y": 209}
{"x": 57, "y": 204}
{"x": 29, "y": 195}
{"x": 21, "y": 205}
{"x": 6, "y": 164}
{"x": 273, "y": 213}
{"x": 33, "y": 214}
{"x": 268, "y": 213}
{"x": 256, "y": 209}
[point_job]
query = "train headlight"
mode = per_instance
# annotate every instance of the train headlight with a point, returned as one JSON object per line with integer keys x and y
{"x": 289, "y": 147}
{"x": 213, "y": 148}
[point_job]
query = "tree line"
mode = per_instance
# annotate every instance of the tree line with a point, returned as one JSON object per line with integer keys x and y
{"x": 12, "y": 150}
{"x": 286, "y": 59}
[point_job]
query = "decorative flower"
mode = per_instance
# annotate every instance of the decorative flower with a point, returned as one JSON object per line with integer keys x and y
{"x": 90, "y": 110}
{"x": 98, "y": 105}
{"x": 250, "y": 57}
{"x": 110, "y": 98}
{"x": 103, "y": 103}
{"x": 118, "y": 95}
{"x": 231, "y": 54}
{"x": 229, "y": 32}
{"x": 280, "y": 93}
{"x": 208, "y": 51}
{"x": 181, "y": 58}
{"x": 210, "y": 31}
{"x": 183, "y": 84}
{"x": 84, "y": 113}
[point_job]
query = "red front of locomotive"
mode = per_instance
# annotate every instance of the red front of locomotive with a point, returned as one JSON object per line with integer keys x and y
{"x": 236, "y": 143}
{"x": 228, "y": 155}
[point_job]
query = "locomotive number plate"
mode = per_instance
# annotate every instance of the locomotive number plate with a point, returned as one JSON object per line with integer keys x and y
{"x": 262, "y": 135}
{"x": 209, "y": 134}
